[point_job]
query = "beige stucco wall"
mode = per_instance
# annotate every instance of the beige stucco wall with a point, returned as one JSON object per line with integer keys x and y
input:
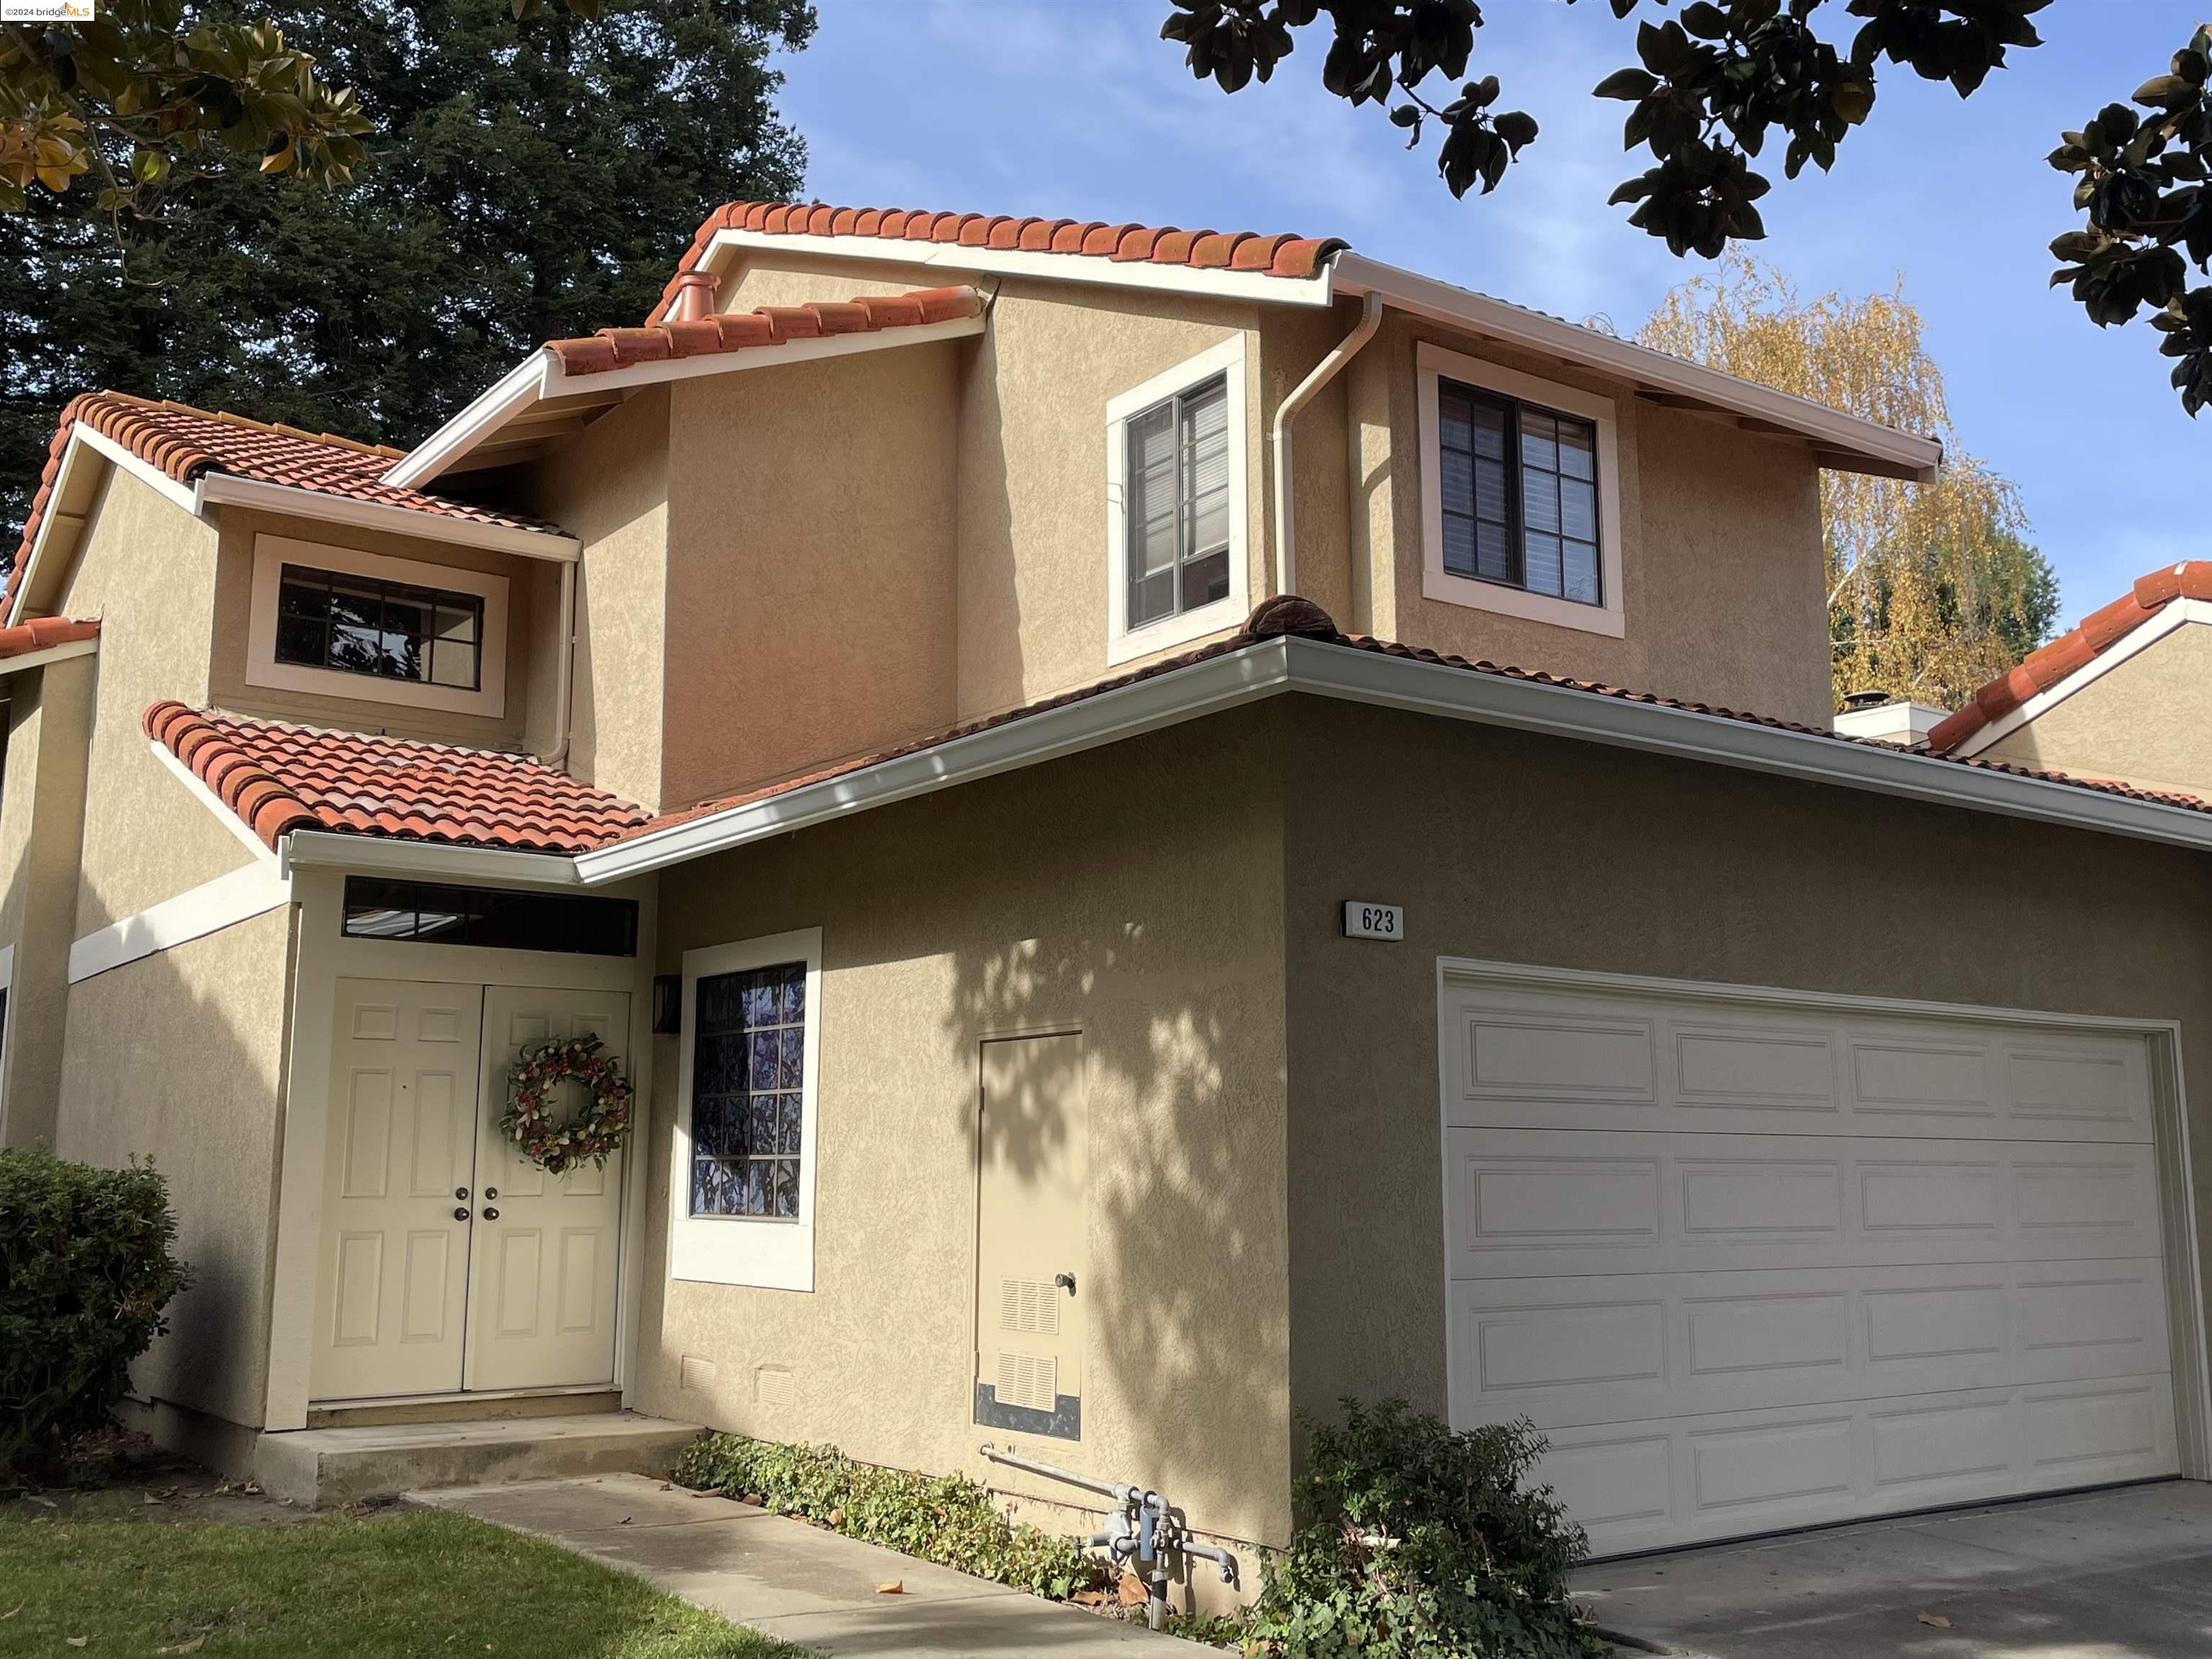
{"x": 812, "y": 576}
{"x": 1503, "y": 846}
{"x": 179, "y": 1057}
{"x": 2145, "y": 720}
{"x": 147, "y": 569}
{"x": 954, "y": 917}
{"x": 233, "y": 602}
{"x": 49, "y": 715}
{"x": 608, "y": 487}
{"x": 1721, "y": 549}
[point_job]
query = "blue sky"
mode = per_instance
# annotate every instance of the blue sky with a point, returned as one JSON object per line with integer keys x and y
{"x": 1076, "y": 108}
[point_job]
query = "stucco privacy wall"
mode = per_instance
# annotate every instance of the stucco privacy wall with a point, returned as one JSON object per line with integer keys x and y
{"x": 178, "y": 1057}
{"x": 1720, "y": 557}
{"x": 608, "y": 487}
{"x": 952, "y": 918}
{"x": 2143, "y": 721}
{"x": 1506, "y": 846}
{"x": 49, "y": 713}
{"x": 233, "y": 605}
{"x": 147, "y": 569}
{"x": 810, "y": 578}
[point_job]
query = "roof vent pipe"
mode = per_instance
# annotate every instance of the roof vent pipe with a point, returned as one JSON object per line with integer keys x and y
{"x": 1370, "y": 318}
{"x": 695, "y": 297}
{"x": 1865, "y": 699}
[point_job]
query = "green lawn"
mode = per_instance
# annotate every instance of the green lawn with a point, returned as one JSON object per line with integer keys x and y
{"x": 424, "y": 1582}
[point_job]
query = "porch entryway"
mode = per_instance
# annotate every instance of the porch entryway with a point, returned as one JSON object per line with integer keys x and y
{"x": 449, "y": 1263}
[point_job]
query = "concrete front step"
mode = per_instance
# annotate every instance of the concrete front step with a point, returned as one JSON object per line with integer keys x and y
{"x": 345, "y": 1466}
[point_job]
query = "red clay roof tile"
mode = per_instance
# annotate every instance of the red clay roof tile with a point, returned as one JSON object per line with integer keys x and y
{"x": 186, "y": 443}
{"x": 279, "y": 778}
{"x": 1294, "y": 257}
{"x": 43, "y": 633}
{"x": 736, "y": 331}
{"x": 2074, "y": 650}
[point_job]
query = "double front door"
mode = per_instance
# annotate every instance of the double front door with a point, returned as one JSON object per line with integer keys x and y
{"x": 449, "y": 1262}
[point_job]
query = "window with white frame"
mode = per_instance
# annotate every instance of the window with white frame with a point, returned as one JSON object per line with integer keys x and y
{"x": 1520, "y": 494}
{"x": 744, "y": 1201}
{"x": 341, "y": 623}
{"x": 1176, "y": 505}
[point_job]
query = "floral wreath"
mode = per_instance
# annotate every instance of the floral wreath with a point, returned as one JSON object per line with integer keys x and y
{"x": 591, "y": 1137}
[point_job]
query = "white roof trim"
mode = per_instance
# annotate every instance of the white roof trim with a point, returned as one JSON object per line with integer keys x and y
{"x": 1326, "y": 670}
{"x": 539, "y": 378}
{"x": 1850, "y": 437}
{"x": 2176, "y": 615}
{"x": 197, "y": 787}
{"x": 17, "y": 664}
{"x": 382, "y": 855}
{"x": 1005, "y": 261}
{"x": 250, "y": 890}
{"x": 82, "y": 438}
{"x": 220, "y": 489}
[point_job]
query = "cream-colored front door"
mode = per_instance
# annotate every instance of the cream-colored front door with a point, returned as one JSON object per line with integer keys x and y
{"x": 396, "y": 1188}
{"x": 543, "y": 1268}
{"x": 1032, "y": 1217}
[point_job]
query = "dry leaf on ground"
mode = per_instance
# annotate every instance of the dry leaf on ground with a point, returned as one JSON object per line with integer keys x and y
{"x": 895, "y": 1587}
{"x": 1937, "y": 1619}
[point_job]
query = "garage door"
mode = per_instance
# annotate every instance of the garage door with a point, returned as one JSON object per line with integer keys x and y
{"x": 1753, "y": 1265}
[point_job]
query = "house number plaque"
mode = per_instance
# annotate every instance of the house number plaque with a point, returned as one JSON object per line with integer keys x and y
{"x": 1365, "y": 919}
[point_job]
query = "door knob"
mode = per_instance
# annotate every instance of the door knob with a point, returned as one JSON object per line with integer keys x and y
{"x": 460, "y": 1192}
{"x": 1064, "y": 1281}
{"x": 460, "y": 1212}
{"x": 490, "y": 1214}
{"x": 491, "y": 1192}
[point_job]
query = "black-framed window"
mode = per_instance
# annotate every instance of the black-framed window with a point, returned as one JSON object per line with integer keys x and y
{"x": 748, "y": 1092}
{"x": 388, "y": 631}
{"x": 1520, "y": 494}
{"x": 1177, "y": 479}
{"x": 495, "y": 918}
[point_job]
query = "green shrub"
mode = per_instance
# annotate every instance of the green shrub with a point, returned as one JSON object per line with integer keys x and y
{"x": 1418, "y": 1542}
{"x": 947, "y": 1519}
{"x": 86, "y": 1269}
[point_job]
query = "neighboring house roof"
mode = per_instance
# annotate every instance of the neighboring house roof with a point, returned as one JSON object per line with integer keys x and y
{"x": 1294, "y": 257}
{"x": 278, "y": 778}
{"x": 186, "y": 445}
{"x": 582, "y": 378}
{"x": 2076, "y": 656}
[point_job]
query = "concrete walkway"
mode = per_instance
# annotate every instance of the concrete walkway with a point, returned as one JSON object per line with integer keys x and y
{"x": 795, "y": 1581}
{"x": 2121, "y": 1574}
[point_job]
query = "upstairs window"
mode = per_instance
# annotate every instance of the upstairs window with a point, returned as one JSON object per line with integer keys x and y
{"x": 1520, "y": 494}
{"x": 1520, "y": 485}
{"x": 1176, "y": 493}
{"x": 341, "y": 621}
{"x": 393, "y": 630}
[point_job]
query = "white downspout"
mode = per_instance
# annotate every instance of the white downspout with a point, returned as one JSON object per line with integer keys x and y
{"x": 565, "y": 683}
{"x": 1370, "y": 318}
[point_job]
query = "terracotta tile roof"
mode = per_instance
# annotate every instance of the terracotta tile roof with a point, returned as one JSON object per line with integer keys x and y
{"x": 1159, "y": 244}
{"x": 43, "y": 633}
{"x": 619, "y": 347}
{"x": 279, "y": 778}
{"x": 2075, "y": 649}
{"x": 186, "y": 442}
{"x": 1300, "y": 617}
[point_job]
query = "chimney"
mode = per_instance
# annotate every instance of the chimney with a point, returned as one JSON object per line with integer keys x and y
{"x": 695, "y": 297}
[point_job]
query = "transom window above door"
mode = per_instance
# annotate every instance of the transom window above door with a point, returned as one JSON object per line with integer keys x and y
{"x": 1520, "y": 494}
{"x": 1176, "y": 505}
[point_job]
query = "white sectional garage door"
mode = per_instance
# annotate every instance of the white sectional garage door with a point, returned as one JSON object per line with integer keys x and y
{"x": 1753, "y": 1265}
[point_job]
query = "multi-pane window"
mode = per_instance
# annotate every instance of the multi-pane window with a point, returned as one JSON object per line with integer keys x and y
{"x": 1177, "y": 476}
{"x": 749, "y": 1064}
{"x": 492, "y": 918}
{"x": 391, "y": 630}
{"x": 1520, "y": 494}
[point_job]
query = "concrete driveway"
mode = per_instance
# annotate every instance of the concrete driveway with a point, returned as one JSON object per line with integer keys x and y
{"x": 2125, "y": 1573}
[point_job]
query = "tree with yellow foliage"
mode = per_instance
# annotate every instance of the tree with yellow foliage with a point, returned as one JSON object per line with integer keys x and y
{"x": 1934, "y": 588}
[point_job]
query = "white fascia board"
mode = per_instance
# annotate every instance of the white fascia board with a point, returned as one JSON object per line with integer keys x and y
{"x": 1312, "y": 291}
{"x": 486, "y": 413}
{"x": 225, "y": 488}
{"x": 1359, "y": 676}
{"x": 2177, "y": 614}
{"x": 248, "y": 892}
{"x": 83, "y": 441}
{"x": 428, "y": 860}
{"x": 137, "y": 465}
{"x": 1210, "y": 687}
{"x": 1499, "y": 319}
{"x": 52, "y": 653}
{"x": 196, "y": 787}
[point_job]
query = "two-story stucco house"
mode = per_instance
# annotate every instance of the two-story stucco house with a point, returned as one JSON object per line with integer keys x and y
{"x": 1169, "y": 826}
